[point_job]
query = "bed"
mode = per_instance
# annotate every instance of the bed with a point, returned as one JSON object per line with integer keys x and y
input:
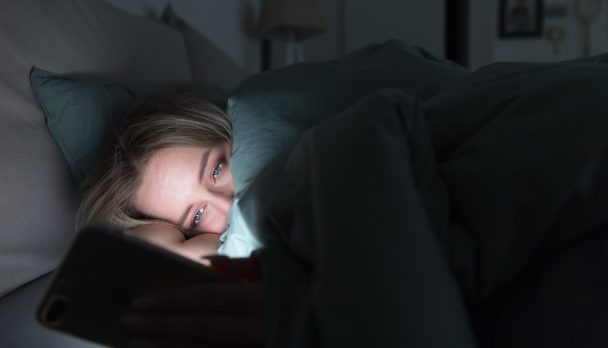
{"x": 402, "y": 200}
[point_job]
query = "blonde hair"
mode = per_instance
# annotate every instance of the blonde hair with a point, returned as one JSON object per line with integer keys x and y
{"x": 177, "y": 117}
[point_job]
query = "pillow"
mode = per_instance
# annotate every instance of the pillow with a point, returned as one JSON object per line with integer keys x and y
{"x": 270, "y": 110}
{"x": 80, "y": 112}
{"x": 208, "y": 63}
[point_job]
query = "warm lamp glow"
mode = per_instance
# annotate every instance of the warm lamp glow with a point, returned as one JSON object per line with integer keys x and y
{"x": 298, "y": 18}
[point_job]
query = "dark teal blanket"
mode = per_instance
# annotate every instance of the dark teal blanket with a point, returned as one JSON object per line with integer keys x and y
{"x": 523, "y": 151}
{"x": 470, "y": 216}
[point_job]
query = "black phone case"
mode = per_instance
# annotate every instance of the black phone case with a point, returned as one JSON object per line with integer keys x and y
{"x": 101, "y": 273}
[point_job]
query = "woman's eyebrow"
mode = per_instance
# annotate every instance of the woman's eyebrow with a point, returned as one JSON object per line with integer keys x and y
{"x": 204, "y": 160}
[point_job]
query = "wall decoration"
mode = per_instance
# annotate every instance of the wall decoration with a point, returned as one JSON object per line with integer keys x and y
{"x": 520, "y": 18}
{"x": 587, "y": 11}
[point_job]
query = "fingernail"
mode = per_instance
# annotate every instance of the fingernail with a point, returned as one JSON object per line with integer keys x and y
{"x": 131, "y": 321}
{"x": 143, "y": 302}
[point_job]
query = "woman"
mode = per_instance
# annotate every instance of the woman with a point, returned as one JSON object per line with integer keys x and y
{"x": 166, "y": 179}
{"x": 168, "y": 164}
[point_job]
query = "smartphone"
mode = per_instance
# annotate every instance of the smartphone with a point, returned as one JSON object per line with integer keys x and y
{"x": 102, "y": 271}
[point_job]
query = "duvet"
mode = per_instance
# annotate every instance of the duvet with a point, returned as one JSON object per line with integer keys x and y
{"x": 349, "y": 225}
{"x": 475, "y": 217}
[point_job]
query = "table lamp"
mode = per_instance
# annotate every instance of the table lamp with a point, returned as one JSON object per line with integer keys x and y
{"x": 291, "y": 20}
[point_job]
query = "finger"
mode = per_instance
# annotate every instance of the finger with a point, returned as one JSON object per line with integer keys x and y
{"x": 224, "y": 330}
{"x": 244, "y": 269}
{"x": 204, "y": 298}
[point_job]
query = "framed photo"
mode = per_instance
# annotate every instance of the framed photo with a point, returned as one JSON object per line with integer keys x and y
{"x": 520, "y": 18}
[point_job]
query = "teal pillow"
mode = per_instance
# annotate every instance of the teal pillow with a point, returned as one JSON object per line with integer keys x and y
{"x": 79, "y": 113}
{"x": 269, "y": 111}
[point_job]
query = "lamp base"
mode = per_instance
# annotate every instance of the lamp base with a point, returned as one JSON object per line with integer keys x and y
{"x": 295, "y": 51}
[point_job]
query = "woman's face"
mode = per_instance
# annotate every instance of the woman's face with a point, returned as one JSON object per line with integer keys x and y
{"x": 188, "y": 187}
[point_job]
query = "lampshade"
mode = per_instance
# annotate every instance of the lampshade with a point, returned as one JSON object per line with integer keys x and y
{"x": 300, "y": 18}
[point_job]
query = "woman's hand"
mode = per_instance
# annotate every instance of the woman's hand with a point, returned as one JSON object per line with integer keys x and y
{"x": 214, "y": 314}
{"x": 170, "y": 237}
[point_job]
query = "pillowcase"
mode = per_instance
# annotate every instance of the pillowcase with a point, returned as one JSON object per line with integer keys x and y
{"x": 80, "y": 112}
{"x": 270, "y": 110}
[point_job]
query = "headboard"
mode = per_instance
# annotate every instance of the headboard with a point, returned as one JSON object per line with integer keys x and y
{"x": 38, "y": 199}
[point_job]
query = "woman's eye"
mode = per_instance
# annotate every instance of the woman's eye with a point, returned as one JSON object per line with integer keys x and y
{"x": 197, "y": 217}
{"x": 218, "y": 170}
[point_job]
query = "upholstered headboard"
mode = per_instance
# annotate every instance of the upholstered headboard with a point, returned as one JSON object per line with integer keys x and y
{"x": 88, "y": 37}
{"x": 38, "y": 198}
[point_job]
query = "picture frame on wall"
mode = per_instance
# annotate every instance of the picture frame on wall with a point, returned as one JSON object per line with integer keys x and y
{"x": 520, "y": 18}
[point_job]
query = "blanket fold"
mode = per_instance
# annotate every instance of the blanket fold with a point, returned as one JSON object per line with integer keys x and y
{"x": 354, "y": 206}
